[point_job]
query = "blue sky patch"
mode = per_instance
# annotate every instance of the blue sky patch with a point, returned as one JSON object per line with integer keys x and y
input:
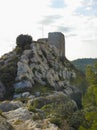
{"x": 57, "y": 4}
{"x": 87, "y": 10}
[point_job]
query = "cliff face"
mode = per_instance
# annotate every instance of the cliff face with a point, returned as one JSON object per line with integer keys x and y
{"x": 40, "y": 64}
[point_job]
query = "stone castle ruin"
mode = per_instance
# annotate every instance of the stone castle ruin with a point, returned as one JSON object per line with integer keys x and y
{"x": 57, "y": 39}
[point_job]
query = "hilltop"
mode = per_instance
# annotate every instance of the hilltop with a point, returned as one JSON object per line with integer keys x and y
{"x": 41, "y": 84}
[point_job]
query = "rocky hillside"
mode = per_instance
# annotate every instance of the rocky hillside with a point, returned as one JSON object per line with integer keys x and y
{"x": 47, "y": 86}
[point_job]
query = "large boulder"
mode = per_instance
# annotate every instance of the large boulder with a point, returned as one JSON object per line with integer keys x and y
{"x": 6, "y": 106}
{"x": 20, "y": 113}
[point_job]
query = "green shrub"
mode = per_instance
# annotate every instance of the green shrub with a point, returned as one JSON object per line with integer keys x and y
{"x": 37, "y": 116}
{"x": 36, "y": 104}
{"x": 0, "y": 112}
{"x": 32, "y": 108}
{"x": 23, "y": 100}
{"x": 18, "y": 122}
{"x": 8, "y": 74}
{"x": 57, "y": 121}
{"x": 42, "y": 89}
{"x": 18, "y": 91}
{"x": 19, "y": 50}
{"x": 76, "y": 119}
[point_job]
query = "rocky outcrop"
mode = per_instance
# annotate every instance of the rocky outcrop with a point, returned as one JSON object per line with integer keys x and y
{"x": 40, "y": 77}
{"x": 21, "y": 118}
{"x": 55, "y": 98}
{"x": 41, "y": 64}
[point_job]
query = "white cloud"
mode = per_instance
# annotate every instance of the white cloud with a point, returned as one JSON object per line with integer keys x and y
{"x": 72, "y": 5}
{"x": 38, "y": 17}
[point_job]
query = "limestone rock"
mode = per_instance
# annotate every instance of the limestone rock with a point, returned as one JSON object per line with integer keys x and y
{"x": 4, "y": 125}
{"x": 24, "y": 72}
{"x": 25, "y": 94}
{"x": 42, "y": 65}
{"x": 23, "y": 86}
{"x": 20, "y": 113}
{"x": 34, "y": 125}
{"x": 22, "y": 119}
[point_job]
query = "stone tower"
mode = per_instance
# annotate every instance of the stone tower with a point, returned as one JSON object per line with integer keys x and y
{"x": 57, "y": 39}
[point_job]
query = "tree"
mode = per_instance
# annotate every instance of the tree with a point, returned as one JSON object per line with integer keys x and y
{"x": 90, "y": 100}
{"x": 91, "y": 75}
{"x": 23, "y": 40}
{"x": 95, "y": 65}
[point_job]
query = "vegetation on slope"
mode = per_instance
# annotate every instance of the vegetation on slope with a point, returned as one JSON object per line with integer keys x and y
{"x": 8, "y": 71}
{"x": 90, "y": 100}
{"x": 81, "y": 64}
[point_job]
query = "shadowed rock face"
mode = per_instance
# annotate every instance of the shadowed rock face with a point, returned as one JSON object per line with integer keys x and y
{"x": 2, "y": 90}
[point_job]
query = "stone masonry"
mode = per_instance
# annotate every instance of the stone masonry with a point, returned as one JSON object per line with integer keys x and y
{"x": 57, "y": 39}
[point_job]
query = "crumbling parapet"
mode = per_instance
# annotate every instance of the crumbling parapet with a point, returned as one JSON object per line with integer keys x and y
{"x": 57, "y": 39}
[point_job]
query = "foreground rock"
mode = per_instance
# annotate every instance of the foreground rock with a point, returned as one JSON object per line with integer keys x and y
{"x": 39, "y": 113}
{"x": 22, "y": 119}
{"x": 4, "y": 125}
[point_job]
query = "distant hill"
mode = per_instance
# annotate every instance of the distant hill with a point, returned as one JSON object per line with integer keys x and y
{"x": 81, "y": 64}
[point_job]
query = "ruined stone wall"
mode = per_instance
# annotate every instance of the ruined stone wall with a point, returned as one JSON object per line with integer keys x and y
{"x": 57, "y": 39}
{"x": 43, "y": 40}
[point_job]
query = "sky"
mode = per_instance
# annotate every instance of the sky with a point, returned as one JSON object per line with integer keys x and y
{"x": 76, "y": 19}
